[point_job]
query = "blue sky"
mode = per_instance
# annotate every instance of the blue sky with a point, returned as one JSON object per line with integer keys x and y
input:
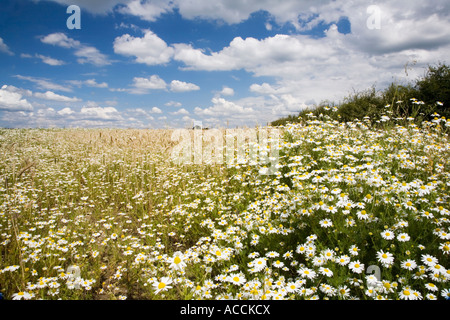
{"x": 159, "y": 64}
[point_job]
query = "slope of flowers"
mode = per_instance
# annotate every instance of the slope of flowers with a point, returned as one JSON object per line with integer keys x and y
{"x": 353, "y": 212}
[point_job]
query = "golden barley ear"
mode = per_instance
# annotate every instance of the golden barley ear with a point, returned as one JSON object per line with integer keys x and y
{"x": 26, "y": 166}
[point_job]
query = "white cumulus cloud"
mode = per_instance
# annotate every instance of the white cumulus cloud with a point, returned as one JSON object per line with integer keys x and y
{"x": 100, "y": 113}
{"x": 181, "y": 86}
{"x": 49, "y": 95}
{"x": 50, "y": 61}
{"x": 143, "y": 85}
{"x": 12, "y": 101}
{"x": 150, "y": 49}
{"x": 85, "y": 53}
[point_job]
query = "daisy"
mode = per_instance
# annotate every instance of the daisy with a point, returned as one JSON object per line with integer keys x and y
{"x": 343, "y": 260}
{"x": 403, "y": 237}
{"x": 326, "y": 272}
{"x": 363, "y": 215}
{"x": 278, "y": 264}
{"x": 325, "y": 223}
{"x": 370, "y": 292}
{"x": 312, "y": 237}
{"x": 372, "y": 281}
{"x": 407, "y": 294}
{"x": 272, "y": 254}
{"x": 162, "y": 285}
{"x": 292, "y": 287}
{"x": 327, "y": 289}
{"x": 318, "y": 261}
{"x": 427, "y": 215}
{"x": 259, "y": 263}
{"x": 445, "y": 247}
{"x": 288, "y": 255}
{"x": 350, "y": 222}
{"x": 328, "y": 254}
{"x": 430, "y": 296}
{"x": 177, "y": 261}
{"x": 343, "y": 291}
{"x": 387, "y": 235}
{"x": 408, "y": 264}
{"x": 331, "y": 209}
{"x": 356, "y": 266}
{"x": 385, "y": 258}
{"x": 353, "y": 250}
{"x": 301, "y": 248}
{"x": 437, "y": 268}
{"x": 307, "y": 273}
{"x": 446, "y": 293}
{"x": 236, "y": 278}
{"x": 431, "y": 286}
{"x": 429, "y": 260}
{"x": 21, "y": 295}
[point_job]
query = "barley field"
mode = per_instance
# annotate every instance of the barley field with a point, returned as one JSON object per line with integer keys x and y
{"x": 354, "y": 211}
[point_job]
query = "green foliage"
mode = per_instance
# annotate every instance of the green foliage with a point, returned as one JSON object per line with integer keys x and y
{"x": 435, "y": 86}
{"x": 420, "y": 100}
{"x": 361, "y": 104}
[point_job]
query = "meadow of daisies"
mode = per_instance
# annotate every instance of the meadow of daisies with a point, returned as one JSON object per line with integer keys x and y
{"x": 353, "y": 211}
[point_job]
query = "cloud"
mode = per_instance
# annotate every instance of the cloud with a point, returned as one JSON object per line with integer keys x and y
{"x": 50, "y": 61}
{"x": 173, "y": 104}
{"x": 100, "y": 113}
{"x": 150, "y": 49}
{"x": 26, "y": 55}
{"x": 233, "y": 12}
{"x": 180, "y": 86}
{"x": 222, "y": 107}
{"x": 90, "y": 83}
{"x": 180, "y": 111}
{"x": 312, "y": 68}
{"x": 264, "y": 88}
{"x": 249, "y": 54}
{"x": 154, "y": 82}
{"x": 12, "y": 101}
{"x": 156, "y": 110}
{"x": 91, "y": 55}
{"x": 49, "y": 95}
{"x": 95, "y": 7}
{"x": 227, "y": 91}
{"x": 147, "y": 10}
{"x": 66, "y": 111}
{"x": 143, "y": 85}
{"x": 140, "y": 113}
{"x": 45, "y": 84}
{"x": 85, "y": 53}
{"x": 93, "y": 83}
{"x": 4, "y": 48}
{"x": 61, "y": 40}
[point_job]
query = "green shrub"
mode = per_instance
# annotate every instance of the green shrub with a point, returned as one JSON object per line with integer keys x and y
{"x": 420, "y": 100}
